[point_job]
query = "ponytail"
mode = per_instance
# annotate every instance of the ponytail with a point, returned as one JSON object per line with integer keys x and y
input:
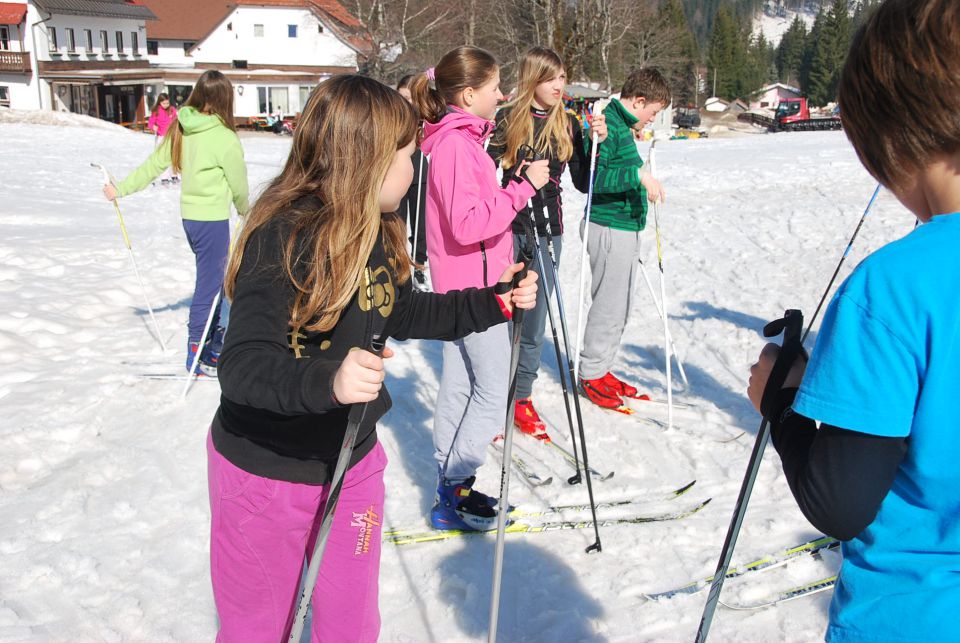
{"x": 428, "y": 101}
{"x": 458, "y": 69}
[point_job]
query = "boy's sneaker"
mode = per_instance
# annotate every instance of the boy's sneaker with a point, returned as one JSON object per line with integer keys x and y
{"x": 623, "y": 388}
{"x": 459, "y": 506}
{"x": 601, "y": 393}
{"x": 526, "y": 418}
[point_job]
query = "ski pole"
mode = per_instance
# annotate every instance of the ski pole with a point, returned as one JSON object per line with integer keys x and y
{"x": 191, "y": 374}
{"x": 531, "y": 227}
{"x": 108, "y": 180}
{"x": 790, "y": 325}
{"x": 416, "y": 212}
{"x": 525, "y": 255}
{"x": 656, "y": 303}
{"x": 668, "y": 366}
{"x": 596, "y": 546}
{"x": 576, "y": 478}
{"x": 856, "y": 231}
{"x": 354, "y": 420}
{"x": 595, "y": 152}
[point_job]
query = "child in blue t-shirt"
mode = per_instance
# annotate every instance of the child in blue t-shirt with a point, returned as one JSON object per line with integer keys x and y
{"x": 882, "y": 473}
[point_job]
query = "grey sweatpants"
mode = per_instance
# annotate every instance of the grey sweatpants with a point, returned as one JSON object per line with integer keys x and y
{"x": 472, "y": 400}
{"x": 534, "y": 321}
{"x": 614, "y": 258}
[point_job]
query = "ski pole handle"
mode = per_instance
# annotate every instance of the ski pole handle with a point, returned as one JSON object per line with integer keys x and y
{"x": 791, "y": 325}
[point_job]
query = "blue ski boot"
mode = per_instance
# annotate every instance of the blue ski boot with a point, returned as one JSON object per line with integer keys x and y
{"x": 459, "y": 506}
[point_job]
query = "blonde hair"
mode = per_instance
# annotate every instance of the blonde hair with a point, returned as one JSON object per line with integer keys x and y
{"x": 213, "y": 94}
{"x": 538, "y": 65}
{"x": 345, "y": 141}
{"x": 458, "y": 69}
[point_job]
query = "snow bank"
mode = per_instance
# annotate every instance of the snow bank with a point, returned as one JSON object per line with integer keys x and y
{"x": 49, "y": 117}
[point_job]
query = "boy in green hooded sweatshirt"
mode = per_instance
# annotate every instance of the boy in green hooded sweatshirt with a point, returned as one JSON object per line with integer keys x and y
{"x": 621, "y": 189}
{"x": 202, "y": 145}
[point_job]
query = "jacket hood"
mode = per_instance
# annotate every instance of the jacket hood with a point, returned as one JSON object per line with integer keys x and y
{"x": 478, "y": 129}
{"x": 193, "y": 121}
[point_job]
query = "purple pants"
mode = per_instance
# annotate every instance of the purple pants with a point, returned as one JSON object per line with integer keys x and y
{"x": 260, "y": 533}
{"x": 210, "y": 242}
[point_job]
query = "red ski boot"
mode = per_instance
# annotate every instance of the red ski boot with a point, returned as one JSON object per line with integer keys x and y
{"x": 526, "y": 418}
{"x": 602, "y": 394}
{"x": 623, "y": 388}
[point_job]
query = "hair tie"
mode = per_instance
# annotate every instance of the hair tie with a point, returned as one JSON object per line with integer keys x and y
{"x": 431, "y": 74}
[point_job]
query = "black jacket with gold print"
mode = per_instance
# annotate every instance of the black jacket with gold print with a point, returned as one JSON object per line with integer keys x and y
{"x": 278, "y": 417}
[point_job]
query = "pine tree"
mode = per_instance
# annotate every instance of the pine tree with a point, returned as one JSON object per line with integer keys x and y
{"x": 684, "y": 77}
{"x": 789, "y": 57}
{"x": 810, "y": 45}
{"x": 723, "y": 58}
{"x": 829, "y": 52}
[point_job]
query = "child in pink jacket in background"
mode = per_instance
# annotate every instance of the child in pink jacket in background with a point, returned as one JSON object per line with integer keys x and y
{"x": 469, "y": 243}
{"x": 161, "y": 118}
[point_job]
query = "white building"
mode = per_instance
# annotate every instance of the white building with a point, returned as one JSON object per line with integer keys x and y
{"x": 274, "y": 51}
{"x": 48, "y": 56}
{"x": 770, "y": 96}
{"x": 111, "y": 58}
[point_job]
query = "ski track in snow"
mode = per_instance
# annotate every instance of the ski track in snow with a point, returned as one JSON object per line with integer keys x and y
{"x": 103, "y": 475}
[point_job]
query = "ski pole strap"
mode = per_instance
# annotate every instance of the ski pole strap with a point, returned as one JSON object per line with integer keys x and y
{"x": 791, "y": 325}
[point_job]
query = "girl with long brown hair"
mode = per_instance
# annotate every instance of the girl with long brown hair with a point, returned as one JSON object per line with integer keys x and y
{"x": 320, "y": 268}
{"x": 468, "y": 240}
{"x": 536, "y": 117}
{"x": 202, "y": 145}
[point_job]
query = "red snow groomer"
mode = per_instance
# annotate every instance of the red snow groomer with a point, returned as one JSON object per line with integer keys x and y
{"x": 793, "y": 115}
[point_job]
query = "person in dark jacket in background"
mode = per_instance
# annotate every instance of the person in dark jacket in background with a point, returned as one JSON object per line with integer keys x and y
{"x": 414, "y": 203}
{"x": 537, "y": 118}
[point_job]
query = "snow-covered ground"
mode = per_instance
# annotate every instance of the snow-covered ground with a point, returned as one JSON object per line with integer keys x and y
{"x": 103, "y": 494}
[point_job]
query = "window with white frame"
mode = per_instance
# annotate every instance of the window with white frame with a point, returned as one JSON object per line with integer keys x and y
{"x": 4, "y": 38}
{"x": 258, "y": 31}
{"x": 4, "y": 96}
{"x": 104, "y": 42}
{"x": 135, "y": 43}
{"x": 319, "y": 28}
{"x": 153, "y": 47}
{"x": 188, "y": 45}
{"x": 88, "y": 40}
{"x": 52, "y": 39}
{"x": 304, "y": 96}
{"x": 292, "y": 31}
{"x": 71, "y": 40}
{"x": 119, "y": 37}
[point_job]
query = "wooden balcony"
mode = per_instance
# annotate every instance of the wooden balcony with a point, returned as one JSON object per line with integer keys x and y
{"x": 17, "y": 62}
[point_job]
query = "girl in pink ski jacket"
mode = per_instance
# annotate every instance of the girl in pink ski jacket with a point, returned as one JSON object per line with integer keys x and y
{"x": 162, "y": 116}
{"x": 469, "y": 243}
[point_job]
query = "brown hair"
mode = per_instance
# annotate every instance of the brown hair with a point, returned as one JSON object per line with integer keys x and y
{"x": 344, "y": 143}
{"x": 160, "y": 98}
{"x": 646, "y": 83}
{"x": 899, "y": 91}
{"x": 538, "y": 65}
{"x": 458, "y": 69}
{"x": 213, "y": 94}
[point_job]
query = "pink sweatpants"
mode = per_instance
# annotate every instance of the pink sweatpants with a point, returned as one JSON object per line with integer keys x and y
{"x": 260, "y": 533}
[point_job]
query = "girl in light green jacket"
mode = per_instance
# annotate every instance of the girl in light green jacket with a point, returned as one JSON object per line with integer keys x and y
{"x": 203, "y": 146}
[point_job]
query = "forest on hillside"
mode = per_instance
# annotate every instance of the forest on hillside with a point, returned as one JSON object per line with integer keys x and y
{"x": 692, "y": 42}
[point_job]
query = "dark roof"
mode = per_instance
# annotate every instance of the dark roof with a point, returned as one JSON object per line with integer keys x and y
{"x": 100, "y": 8}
